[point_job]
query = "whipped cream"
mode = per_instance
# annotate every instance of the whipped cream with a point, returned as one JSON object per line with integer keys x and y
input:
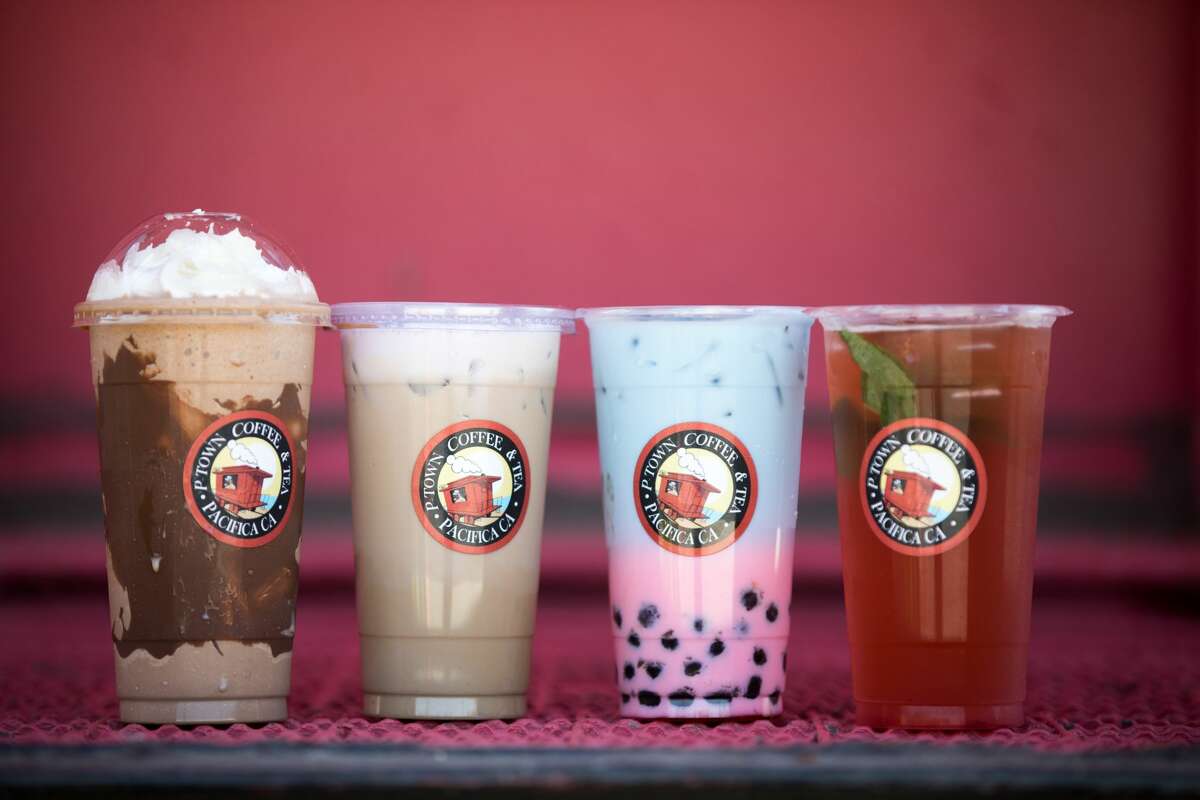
{"x": 192, "y": 263}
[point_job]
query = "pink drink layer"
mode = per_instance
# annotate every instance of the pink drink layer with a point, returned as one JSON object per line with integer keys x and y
{"x": 705, "y": 639}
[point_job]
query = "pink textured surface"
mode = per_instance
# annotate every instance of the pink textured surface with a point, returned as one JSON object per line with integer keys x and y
{"x": 1110, "y": 669}
{"x": 574, "y": 559}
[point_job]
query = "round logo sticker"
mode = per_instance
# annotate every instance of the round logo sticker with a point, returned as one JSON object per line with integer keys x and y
{"x": 694, "y": 487}
{"x": 237, "y": 479}
{"x": 470, "y": 484}
{"x": 923, "y": 486}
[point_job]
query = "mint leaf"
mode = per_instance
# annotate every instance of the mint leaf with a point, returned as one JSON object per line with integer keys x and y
{"x": 886, "y": 388}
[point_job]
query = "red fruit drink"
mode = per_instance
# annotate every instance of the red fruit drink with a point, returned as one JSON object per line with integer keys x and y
{"x": 937, "y": 415}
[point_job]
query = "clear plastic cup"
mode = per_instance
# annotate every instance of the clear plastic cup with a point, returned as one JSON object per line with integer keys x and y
{"x": 937, "y": 415}
{"x": 699, "y": 413}
{"x": 203, "y": 410}
{"x": 449, "y": 408}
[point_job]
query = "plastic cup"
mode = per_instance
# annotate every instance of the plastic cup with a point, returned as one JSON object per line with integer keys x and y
{"x": 449, "y": 408}
{"x": 699, "y": 413}
{"x": 937, "y": 415}
{"x": 202, "y": 545}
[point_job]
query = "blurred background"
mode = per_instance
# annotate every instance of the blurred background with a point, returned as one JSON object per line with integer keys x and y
{"x": 592, "y": 153}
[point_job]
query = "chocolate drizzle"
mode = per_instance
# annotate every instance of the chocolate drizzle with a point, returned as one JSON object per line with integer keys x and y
{"x": 184, "y": 586}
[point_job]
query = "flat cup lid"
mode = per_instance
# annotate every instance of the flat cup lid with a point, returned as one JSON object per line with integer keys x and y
{"x": 693, "y": 313}
{"x": 884, "y": 317}
{"x": 466, "y": 316}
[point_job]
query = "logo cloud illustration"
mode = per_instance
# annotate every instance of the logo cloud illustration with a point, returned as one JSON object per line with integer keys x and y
{"x": 461, "y": 465}
{"x": 239, "y": 452}
{"x": 688, "y": 461}
{"x": 915, "y": 461}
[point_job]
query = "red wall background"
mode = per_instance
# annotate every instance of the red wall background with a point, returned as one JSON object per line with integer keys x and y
{"x": 580, "y": 153}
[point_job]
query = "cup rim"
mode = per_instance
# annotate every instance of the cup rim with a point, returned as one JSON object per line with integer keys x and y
{"x": 938, "y": 315}
{"x": 698, "y": 313}
{"x": 467, "y": 316}
{"x": 199, "y": 310}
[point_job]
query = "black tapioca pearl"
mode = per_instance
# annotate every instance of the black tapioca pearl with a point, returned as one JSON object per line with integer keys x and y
{"x": 682, "y": 697}
{"x": 716, "y": 648}
{"x": 785, "y": 661}
{"x": 741, "y": 628}
{"x": 633, "y": 639}
{"x": 669, "y": 641}
{"x": 698, "y": 625}
{"x": 648, "y": 698}
{"x": 753, "y": 687}
{"x": 617, "y": 617}
{"x": 648, "y": 615}
{"x": 750, "y": 599}
{"x": 629, "y": 671}
{"x": 692, "y": 667}
{"x": 625, "y": 698}
{"x": 772, "y": 612}
{"x": 760, "y": 656}
{"x": 774, "y": 696}
{"x": 653, "y": 669}
{"x": 723, "y": 695}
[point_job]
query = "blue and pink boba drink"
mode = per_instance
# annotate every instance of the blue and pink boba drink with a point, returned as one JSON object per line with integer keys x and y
{"x": 699, "y": 413}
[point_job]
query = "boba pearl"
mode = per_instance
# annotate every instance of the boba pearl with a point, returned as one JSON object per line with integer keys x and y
{"x": 648, "y": 615}
{"x": 753, "y": 687}
{"x": 653, "y": 669}
{"x": 716, "y": 648}
{"x": 772, "y": 612}
{"x": 629, "y": 671}
{"x": 760, "y": 656}
{"x": 750, "y": 599}
{"x": 669, "y": 641}
{"x": 692, "y": 667}
{"x": 774, "y": 696}
{"x": 682, "y": 697}
{"x": 617, "y": 617}
{"x": 634, "y": 640}
{"x": 698, "y": 625}
{"x": 648, "y": 698}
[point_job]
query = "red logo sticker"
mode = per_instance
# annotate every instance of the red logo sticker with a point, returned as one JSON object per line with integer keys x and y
{"x": 923, "y": 486}
{"x": 470, "y": 485}
{"x": 238, "y": 478}
{"x": 694, "y": 488}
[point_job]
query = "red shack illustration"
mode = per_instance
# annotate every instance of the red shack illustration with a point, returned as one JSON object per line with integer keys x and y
{"x": 469, "y": 498}
{"x": 682, "y": 496}
{"x": 909, "y": 492}
{"x": 240, "y": 488}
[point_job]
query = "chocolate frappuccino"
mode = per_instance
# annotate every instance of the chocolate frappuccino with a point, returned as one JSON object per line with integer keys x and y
{"x": 201, "y": 347}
